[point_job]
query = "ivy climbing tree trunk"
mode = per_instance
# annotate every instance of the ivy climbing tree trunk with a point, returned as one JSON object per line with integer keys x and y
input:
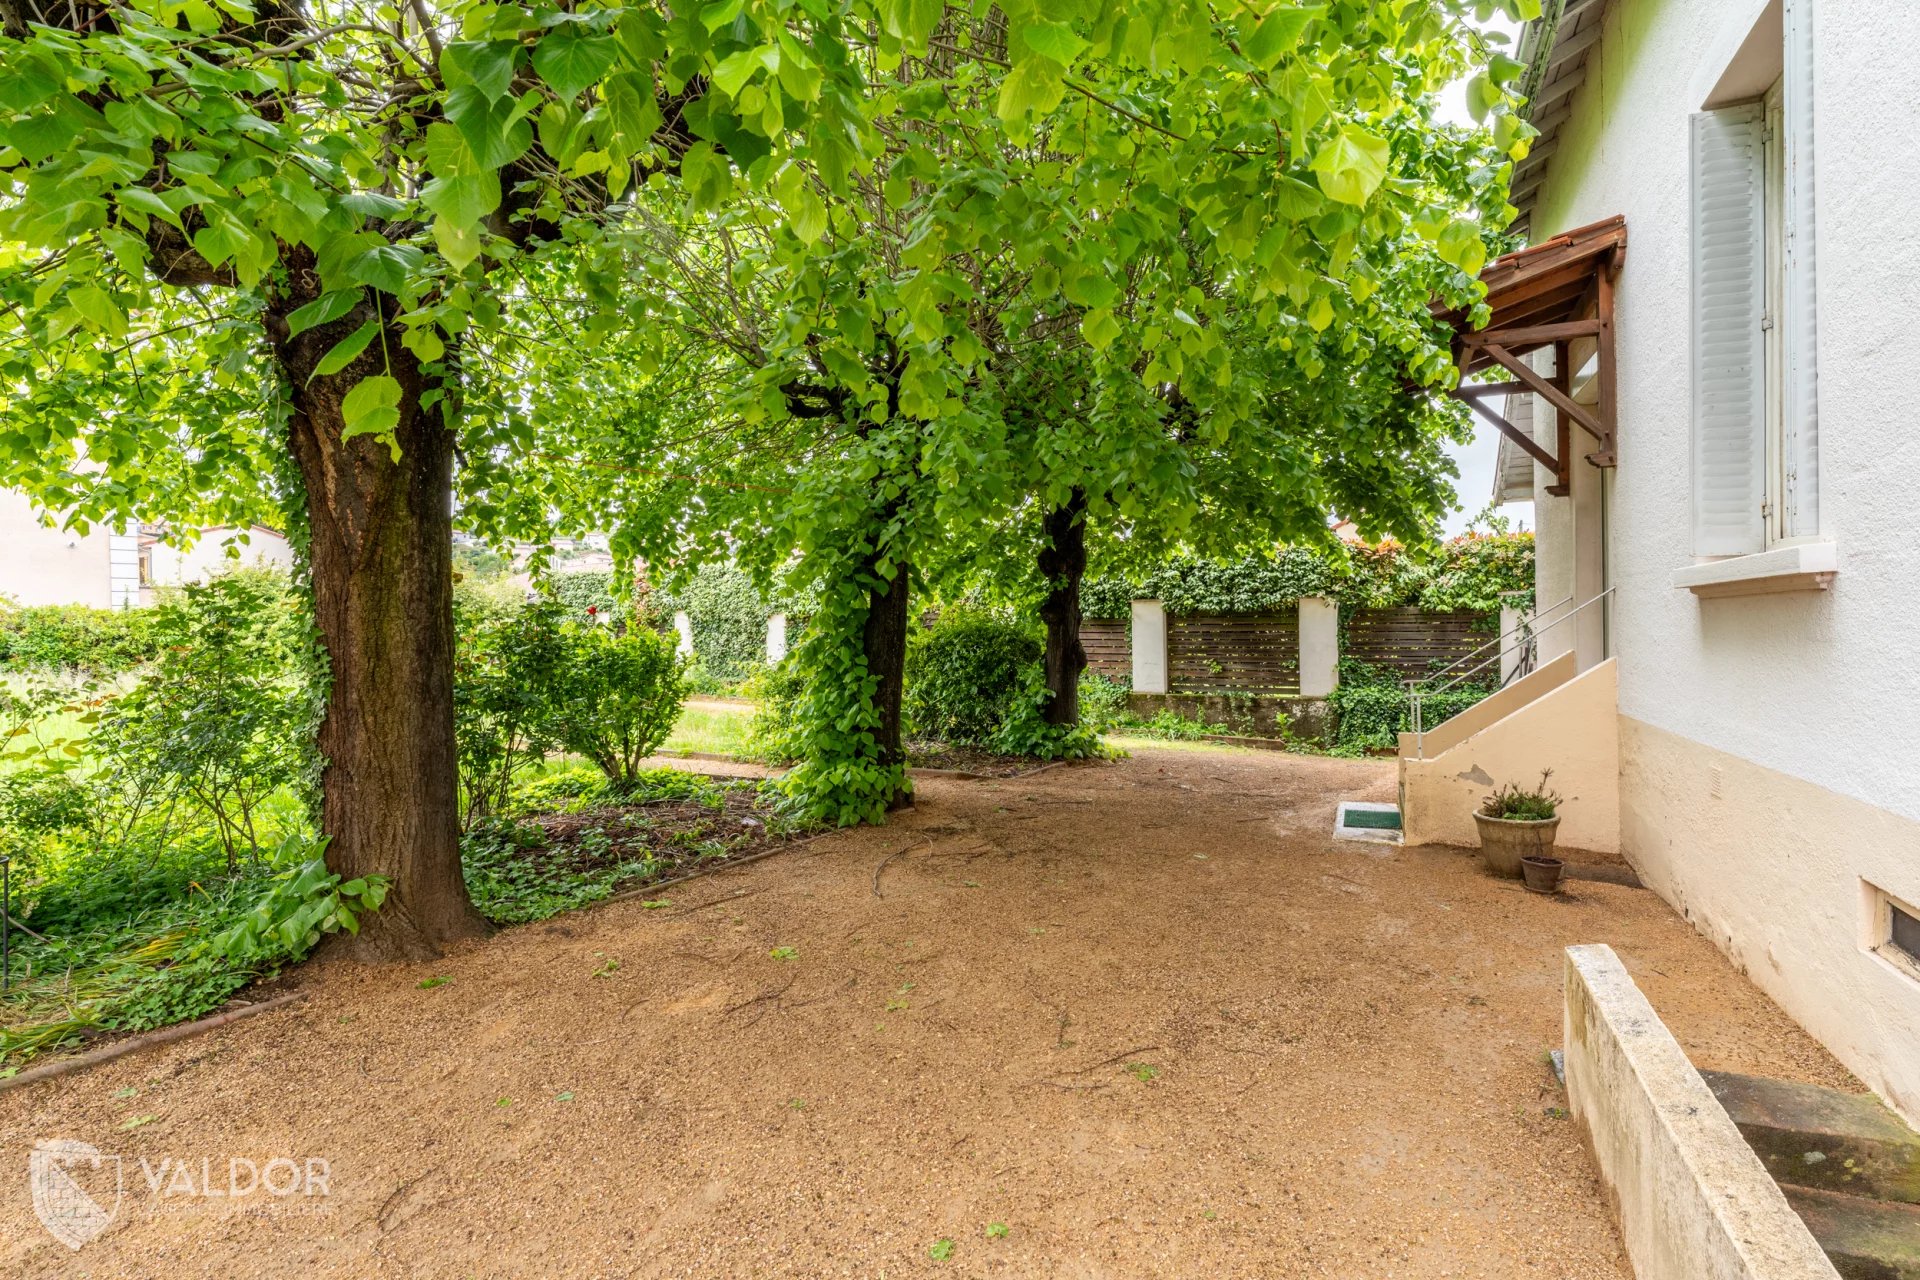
{"x": 381, "y": 556}
{"x": 1063, "y": 564}
{"x": 885, "y": 644}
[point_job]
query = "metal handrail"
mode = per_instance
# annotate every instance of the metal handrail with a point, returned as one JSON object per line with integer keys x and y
{"x": 1523, "y": 624}
{"x": 1415, "y": 692}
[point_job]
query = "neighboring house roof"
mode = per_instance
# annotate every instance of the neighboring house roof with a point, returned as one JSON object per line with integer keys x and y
{"x": 151, "y": 532}
{"x": 1513, "y": 469}
{"x": 1555, "y": 46}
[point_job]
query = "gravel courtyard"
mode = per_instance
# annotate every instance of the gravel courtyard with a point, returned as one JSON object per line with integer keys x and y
{"x": 1140, "y": 1019}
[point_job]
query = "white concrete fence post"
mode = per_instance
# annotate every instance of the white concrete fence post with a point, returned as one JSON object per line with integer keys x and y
{"x": 776, "y": 637}
{"x": 1148, "y": 631}
{"x": 1511, "y": 648}
{"x": 684, "y": 625}
{"x": 1319, "y": 646}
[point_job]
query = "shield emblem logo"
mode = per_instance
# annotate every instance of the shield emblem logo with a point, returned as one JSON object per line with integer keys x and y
{"x": 76, "y": 1189}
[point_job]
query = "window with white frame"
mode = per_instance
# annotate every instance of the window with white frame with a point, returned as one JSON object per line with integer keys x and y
{"x": 1756, "y": 476}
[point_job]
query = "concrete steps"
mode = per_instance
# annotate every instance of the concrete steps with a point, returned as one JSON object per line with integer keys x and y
{"x": 1865, "y": 1239}
{"x": 1849, "y": 1167}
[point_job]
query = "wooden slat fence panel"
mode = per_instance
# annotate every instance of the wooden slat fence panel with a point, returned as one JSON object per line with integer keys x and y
{"x": 1234, "y": 653}
{"x": 1415, "y": 642}
{"x": 1109, "y": 646}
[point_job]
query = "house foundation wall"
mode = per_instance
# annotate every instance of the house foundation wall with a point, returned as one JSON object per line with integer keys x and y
{"x": 1779, "y": 872}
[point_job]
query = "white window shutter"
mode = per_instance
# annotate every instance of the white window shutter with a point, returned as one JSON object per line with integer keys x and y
{"x": 1800, "y": 443}
{"x": 1729, "y": 348}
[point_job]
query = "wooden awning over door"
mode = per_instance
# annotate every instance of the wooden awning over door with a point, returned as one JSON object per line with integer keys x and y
{"x": 1550, "y": 294}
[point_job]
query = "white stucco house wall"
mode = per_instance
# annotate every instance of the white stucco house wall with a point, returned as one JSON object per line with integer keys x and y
{"x": 44, "y": 564}
{"x": 1758, "y": 527}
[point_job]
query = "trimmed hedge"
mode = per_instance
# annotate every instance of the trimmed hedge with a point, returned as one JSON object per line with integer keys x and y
{"x": 75, "y": 637}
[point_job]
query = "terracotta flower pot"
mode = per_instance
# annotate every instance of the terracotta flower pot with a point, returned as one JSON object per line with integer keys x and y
{"x": 1542, "y": 874}
{"x": 1504, "y": 841}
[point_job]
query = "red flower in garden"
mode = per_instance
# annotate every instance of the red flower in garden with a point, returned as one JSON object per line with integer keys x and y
{"x": 592, "y": 610}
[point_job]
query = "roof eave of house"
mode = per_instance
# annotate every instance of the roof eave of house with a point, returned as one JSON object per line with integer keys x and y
{"x": 1555, "y": 47}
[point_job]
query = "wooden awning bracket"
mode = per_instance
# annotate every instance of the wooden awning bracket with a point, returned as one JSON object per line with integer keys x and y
{"x": 1551, "y": 294}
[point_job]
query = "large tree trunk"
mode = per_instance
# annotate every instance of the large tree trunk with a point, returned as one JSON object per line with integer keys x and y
{"x": 382, "y": 569}
{"x": 1063, "y": 563}
{"x": 885, "y": 644}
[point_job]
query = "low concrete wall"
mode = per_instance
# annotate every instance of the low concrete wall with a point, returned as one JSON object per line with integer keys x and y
{"x": 1572, "y": 728}
{"x": 1692, "y": 1199}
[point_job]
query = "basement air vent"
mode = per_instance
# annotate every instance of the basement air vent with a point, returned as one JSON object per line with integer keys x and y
{"x": 1904, "y": 932}
{"x": 1894, "y": 931}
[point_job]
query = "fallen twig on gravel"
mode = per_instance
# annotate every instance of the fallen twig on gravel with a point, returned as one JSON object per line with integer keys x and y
{"x": 165, "y": 1035}
{"x": 386, "y": 1206}
{"x": 879, "y": 870}
{"x": 721, "y": 901}
{"x": 770, "y": 995}
{"x": 1124, "y": 1053}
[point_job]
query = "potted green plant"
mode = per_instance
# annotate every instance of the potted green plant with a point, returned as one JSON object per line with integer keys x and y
{"x": 1517, "y": 827}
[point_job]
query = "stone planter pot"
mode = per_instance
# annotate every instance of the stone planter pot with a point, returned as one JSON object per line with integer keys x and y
{"x": 1504, "y": 841}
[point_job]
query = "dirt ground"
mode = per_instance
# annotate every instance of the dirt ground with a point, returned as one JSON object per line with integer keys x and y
{"x": 1147, "y": 1016}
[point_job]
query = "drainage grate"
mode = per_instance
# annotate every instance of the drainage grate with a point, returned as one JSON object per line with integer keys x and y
{"x": 1367, "y": 821}
{"x": 1372, "y": 819}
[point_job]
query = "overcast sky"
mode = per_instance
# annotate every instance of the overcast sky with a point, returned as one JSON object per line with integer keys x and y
{"x": 1476, "y": 459}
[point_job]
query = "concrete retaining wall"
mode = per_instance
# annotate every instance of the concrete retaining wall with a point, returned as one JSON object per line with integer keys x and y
{"x": 1692, "y": 1199}
{"x": 1261, "y": 716}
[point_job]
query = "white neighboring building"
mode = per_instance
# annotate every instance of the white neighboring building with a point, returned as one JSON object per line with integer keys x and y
{"x": 219, "y": 549}
{"x": 41, "y": 563}
{"x": 1757, "y": 527}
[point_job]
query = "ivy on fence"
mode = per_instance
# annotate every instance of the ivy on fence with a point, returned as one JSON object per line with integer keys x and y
{"x": 1472, "y": 572}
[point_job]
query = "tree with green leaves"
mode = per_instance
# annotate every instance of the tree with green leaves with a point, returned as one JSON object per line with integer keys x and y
{"x": 1227, "y": 233}
{"x": 246, "y": 244}
{"x": 249, "y": 248}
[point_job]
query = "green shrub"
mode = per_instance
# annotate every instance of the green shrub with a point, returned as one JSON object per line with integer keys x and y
{"x": 505, "y": 671}
{"x": 1026, "y": 731}
{"x": 965, "y": 676}
{"x": 529, "y": 682}
{"x": 1103, "y": 702}
{"x": 615, "y": 696}
{"x": 221, "y": 721}
{"x": 773, "y": 737}
{"x": 76, "y": 638}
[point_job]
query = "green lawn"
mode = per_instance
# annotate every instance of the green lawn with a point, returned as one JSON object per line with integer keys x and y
{"x": 711, "y": 726}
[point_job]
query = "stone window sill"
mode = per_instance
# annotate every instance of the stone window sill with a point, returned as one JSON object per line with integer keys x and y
{"x": 1803, "y": 566}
